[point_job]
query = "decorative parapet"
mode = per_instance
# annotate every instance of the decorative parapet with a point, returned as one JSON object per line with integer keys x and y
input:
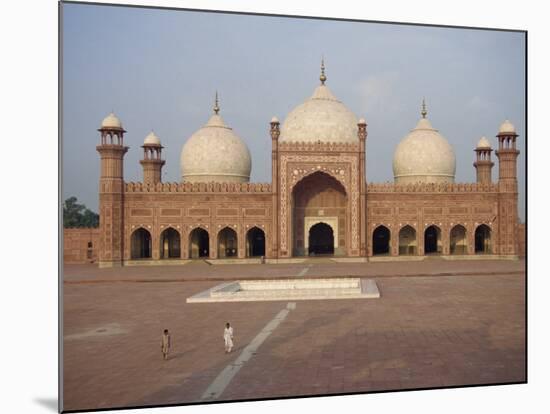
{"x": 433, "y": 188}
{"x": 320, "y": 146}
{"x": 211, "y": 187}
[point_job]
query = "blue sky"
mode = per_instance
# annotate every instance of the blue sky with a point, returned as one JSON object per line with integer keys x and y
{"x": 159, "y": 69}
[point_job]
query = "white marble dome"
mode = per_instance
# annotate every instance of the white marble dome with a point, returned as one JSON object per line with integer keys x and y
{"x": 111, "y": 121}
{"x": 151, "y": 139}
{"x": 507, "y": 127}
{"x": 215, "y": 153}
{"x": 484, "y": 143}
{"x": 424, "y": 156}
{"x": 320, "y": 118}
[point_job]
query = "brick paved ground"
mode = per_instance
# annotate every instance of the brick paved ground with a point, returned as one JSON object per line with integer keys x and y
{"x": 200, "y": 270}
{"x": 425, "y": 331}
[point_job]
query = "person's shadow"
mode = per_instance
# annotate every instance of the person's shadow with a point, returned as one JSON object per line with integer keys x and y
{"x": 177, "y": 355}
{"x": 49, "y": 403}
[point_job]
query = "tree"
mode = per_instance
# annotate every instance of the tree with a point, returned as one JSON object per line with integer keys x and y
{"x": 77, "y": 215}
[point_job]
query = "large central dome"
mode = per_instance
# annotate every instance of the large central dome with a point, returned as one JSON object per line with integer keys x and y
{"x": 320, "y": 118}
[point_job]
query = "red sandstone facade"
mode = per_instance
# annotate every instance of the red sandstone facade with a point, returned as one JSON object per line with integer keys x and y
{"x": 314, "y": 185}
{"x": 80, "y": 245}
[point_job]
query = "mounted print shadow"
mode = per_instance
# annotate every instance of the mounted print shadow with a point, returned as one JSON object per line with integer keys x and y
{"x": 260, "y": 207}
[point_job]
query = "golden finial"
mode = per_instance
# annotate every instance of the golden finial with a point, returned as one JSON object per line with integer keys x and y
{"x": 323, "y": 78}
{"x": 424, "y": 111}
{"x": 216, "y": 107}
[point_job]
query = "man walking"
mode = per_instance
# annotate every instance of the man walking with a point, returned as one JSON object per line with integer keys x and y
{"x": 165, "y": 344}
{"x": 228, "y": 337}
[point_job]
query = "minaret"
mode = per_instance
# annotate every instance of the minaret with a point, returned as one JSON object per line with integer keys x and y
{"x": 483, "y": 163}
{"x": 111, "y": 192}
{"x": 275, "y": 131}
{"x": 362, "y": 135}
{"x": 152, "y": 161}
{"x": 507, "y": 156}
{"x": 508, "y": 189}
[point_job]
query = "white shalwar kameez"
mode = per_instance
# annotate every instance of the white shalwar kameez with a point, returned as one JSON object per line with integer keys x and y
{"x": 228, "y": 338}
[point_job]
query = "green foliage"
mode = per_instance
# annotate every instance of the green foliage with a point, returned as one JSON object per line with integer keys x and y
{"x": 77, "y": 215}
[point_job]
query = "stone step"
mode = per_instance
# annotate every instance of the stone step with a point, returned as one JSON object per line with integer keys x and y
{"x": 289, "y": 292}
{"x": 265, "y": 290}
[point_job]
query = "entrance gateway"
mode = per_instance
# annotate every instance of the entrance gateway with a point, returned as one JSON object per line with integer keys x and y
{"x": 320, "y": 235}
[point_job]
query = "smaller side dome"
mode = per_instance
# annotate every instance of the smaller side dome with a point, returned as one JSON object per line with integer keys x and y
{"x": 215, "y": 153}
{"x": 424, "y": 156}
{"x": 274, "y": 120}
{"x": 111, "y": 121}
{"x": 484, "y": 143}
{"x": 362, "y": 121}
{"x": 151, "y": 139}
{"x": 507, "y": 128}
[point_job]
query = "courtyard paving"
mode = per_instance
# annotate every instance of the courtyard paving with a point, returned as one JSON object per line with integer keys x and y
{"x": 438, "y": 323}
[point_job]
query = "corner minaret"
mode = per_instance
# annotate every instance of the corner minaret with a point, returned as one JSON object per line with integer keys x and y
{"x": 508, "y": 188}
{"x": 275, "y": 132}
{"x": 152, "y": 161}
{"x": 483, "y": 163}
{"x": 507, "y": 156}
{"x": 362, "y": 135}
{"x": 111, "y": 192}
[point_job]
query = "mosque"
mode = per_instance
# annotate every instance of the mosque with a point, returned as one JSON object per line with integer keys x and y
{"x": 318, "y": 202}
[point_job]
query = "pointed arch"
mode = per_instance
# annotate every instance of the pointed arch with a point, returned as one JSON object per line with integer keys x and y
{"x": 308, "y": 175}
{"x": 407, "y": 240}
{"x": 140, "y": 244}
{"x": 381, "y": 237}
{"x": 432, "y": 240}
{"x": 199, "y": 243}
{"x": 255, "y": 242}
{"x": 319, "y": 197}
{"x": 321, "y": 239}
{"x": 170, "y": 244}
{"x": 482, "y": 238}
{"x": 458, "y": 240}
{"x": 227, "y": 243}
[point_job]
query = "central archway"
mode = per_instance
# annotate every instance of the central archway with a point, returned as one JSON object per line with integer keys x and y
{"x": 321, "y": 239}
{"x": 319, "y": 198}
